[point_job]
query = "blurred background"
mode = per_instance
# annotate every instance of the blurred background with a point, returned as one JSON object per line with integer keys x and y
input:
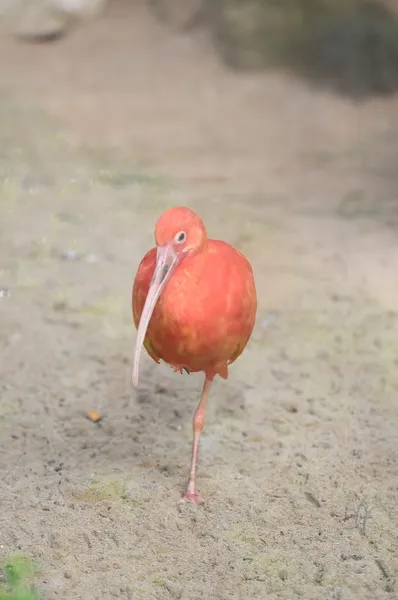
{"x": 278, "y": 123}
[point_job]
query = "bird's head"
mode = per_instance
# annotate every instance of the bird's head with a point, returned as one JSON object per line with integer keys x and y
{"x": 179, "y": 233}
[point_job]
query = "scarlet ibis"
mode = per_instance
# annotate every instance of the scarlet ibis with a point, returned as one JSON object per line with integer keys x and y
{"x": 194, "y": 304}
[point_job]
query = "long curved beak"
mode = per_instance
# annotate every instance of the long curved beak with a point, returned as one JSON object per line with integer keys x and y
{"x": 166, "y": 261}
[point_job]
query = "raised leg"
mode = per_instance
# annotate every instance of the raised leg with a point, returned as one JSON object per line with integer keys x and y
{"x": 198, "y": 422}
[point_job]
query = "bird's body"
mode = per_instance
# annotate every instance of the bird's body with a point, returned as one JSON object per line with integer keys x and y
{"x": 194, "y": 304}
{"x": 205, "y": 314}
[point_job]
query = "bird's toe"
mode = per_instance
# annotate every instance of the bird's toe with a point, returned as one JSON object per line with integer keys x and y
{"x": 193, "y": 498}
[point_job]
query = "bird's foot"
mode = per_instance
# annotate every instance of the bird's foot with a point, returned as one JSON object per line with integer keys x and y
{"x": 181, "y": 369}
{"x": 191, "y": 497}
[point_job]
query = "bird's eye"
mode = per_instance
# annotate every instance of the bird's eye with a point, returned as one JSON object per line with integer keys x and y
{"x": 180, "y": 237}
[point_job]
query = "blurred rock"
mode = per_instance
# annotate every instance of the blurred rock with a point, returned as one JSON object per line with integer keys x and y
{"x": 355, "y": 54}
{"x": 45, "y": 20}
{"x": 348, "y": 45}
{"x": 253, "y": 33}
{"x": 392, "y": 5}
{"x": 257, "y": 33}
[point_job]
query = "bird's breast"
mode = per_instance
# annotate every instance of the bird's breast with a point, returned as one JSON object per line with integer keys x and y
{"x": 208, "y": 306}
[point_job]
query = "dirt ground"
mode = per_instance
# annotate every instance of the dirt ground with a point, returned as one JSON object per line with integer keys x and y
{"x": 99, "y": 133}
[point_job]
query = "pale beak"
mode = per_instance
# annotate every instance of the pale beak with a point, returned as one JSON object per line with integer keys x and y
{"x": 166, "y": 261}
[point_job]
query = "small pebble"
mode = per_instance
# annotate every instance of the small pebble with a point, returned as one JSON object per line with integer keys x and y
{"x": 94, "y": 416}
{"x": 69, "y": 254}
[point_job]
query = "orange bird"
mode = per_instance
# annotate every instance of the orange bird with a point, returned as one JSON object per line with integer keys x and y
{"x": 194, "y": 304}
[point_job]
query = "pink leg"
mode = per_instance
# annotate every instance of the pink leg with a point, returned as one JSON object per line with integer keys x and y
{"x": 198, "y": 422}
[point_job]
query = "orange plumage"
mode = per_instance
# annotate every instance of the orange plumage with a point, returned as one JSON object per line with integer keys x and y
{"x": 194, "y": 302}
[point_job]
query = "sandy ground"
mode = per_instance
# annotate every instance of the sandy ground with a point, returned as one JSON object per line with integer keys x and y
{"x": 298, "y": 467}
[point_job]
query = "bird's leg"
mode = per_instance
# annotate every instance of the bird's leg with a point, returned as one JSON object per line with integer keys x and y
{"x": 198, "y": 422}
